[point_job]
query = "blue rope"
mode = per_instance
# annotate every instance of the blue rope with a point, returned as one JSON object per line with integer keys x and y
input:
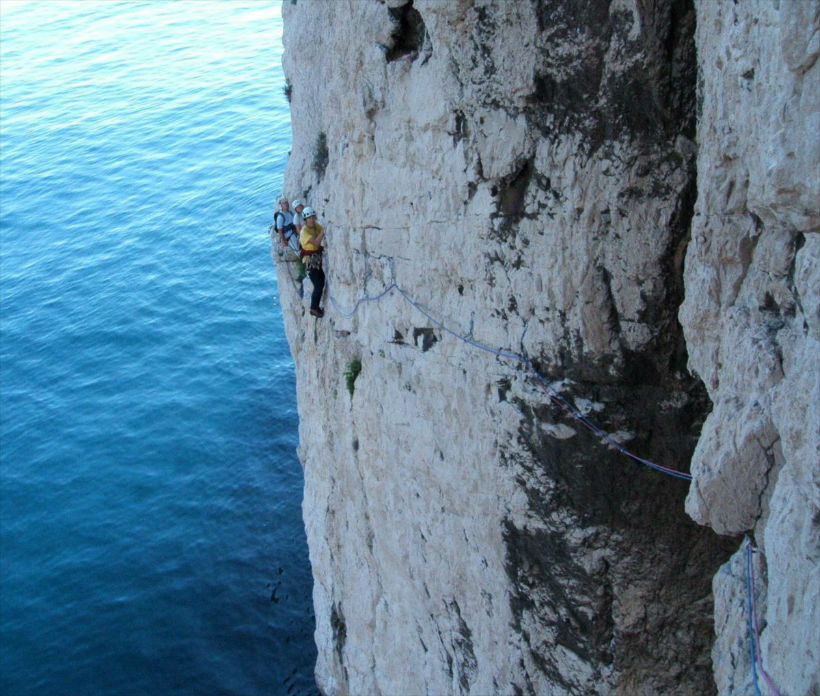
{"x": 508, "y": 355}
{"x": 757, "y": 660}
{"x": 752, "y": 636}
{"x": 280, "y": 252}
{"x": 361, "y": 301}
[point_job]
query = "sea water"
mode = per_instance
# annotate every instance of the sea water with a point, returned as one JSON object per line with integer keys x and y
{"x": 151, "y": 538}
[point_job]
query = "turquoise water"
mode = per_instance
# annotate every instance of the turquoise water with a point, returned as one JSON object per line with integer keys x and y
{"x": 151, "y": 538}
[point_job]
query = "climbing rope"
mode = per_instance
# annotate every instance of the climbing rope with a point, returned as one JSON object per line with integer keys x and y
{"x": 282, "y": 252}
{"x": 517, "y": 357}
{"x": 289, "y": 263}
{"x": 754, "y": 632}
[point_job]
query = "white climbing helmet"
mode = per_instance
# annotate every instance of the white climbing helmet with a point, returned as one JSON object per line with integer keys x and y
{"x": 308, "y": 212}
{"x": 297, "y": 203}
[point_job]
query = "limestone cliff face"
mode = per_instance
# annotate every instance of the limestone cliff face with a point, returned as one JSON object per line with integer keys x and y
{"x": 555, "y": 183}
{"x": 751, "y": 316}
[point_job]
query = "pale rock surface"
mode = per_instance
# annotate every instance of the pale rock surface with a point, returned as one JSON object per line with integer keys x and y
{"x": 524, "y": 173}
{"x": 752, "y": 321}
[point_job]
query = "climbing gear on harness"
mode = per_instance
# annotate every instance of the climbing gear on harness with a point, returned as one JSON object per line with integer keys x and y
{"x": 312, "y": 259}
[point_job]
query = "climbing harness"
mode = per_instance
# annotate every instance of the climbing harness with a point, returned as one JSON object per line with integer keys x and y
{"x": 311, "y": 259}
{"x": 288, "y": 230}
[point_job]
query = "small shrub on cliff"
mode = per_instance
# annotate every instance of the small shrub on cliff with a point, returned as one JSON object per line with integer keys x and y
{"x": 288, "y": 90}
{"x": 354, "y": 367}
{"x": 320, "y": 155}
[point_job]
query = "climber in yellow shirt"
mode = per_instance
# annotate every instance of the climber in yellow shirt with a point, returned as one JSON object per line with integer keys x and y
{"x": 310, "y": 241}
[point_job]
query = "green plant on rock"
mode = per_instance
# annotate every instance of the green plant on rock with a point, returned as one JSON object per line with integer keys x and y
{"x": 320, "y": 155}
{"x": 288, "y": 90}
{"x": 354, "y": 367}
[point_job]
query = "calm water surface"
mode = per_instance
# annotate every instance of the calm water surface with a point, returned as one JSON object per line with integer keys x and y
{"x": 151, "y": 538}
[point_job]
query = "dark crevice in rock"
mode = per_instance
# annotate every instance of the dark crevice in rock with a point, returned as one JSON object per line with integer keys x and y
{"x": 472, "y": 187}
{"x": 512, "y": 190}
{"x": 797, "y": 244}
{"x": 510, "y": 193}
{"x": 633, "y": 520}
{"x": 585, "y": 483}
{"x": 562, "y": 17}
{"x": 459, "y": 128}
{"x": 428, "y": 338}
{"x": 339, "y": 628}
{"x": 565, "y": 96}
{"x": 398, "y": 337}
{"x": 774, "y": 455}
{"x": 678, "y": 80}
{"x": 675, "y": 356}
{"x": 463, "y": 649}
{"x": 503, "y": 385}
{"x": 421, "y": 640}
{"x": 633, "y": 515}
{"x": 409, "y": 35}
{"x": 611, "y": 321}
{"x": 548, "y": 578}
{"x": 321, "y": 156}
{"x": 651, "y": 96}
{"x": 483, "y": 39}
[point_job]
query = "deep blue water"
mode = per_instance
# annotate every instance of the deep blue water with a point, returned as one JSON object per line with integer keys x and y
{"x": 151, "y": 538}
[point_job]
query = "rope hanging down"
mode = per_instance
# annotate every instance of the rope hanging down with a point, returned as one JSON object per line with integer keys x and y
{"x": 508, "y": 355}
{"x": 754, "y": 632}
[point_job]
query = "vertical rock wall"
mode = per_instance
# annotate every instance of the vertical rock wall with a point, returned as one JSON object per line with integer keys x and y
{"x": 752, "y": 320}
{"x": 524, "y": 173}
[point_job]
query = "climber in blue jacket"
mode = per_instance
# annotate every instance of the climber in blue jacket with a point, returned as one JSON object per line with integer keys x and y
{"x": 284, "y": 225}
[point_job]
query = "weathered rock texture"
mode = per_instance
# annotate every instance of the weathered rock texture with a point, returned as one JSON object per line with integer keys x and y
{"x": 529, "y": 174}
{"x": 751, "y": 316}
